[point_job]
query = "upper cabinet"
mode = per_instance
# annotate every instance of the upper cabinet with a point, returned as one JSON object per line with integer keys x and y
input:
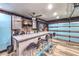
{"x": 26, "y": 22}
{"x": 16, "y": 22}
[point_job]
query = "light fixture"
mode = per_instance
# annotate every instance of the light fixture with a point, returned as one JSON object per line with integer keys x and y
{"x": 55, "y": 14}
{"x": 57, "y": 17}
{"x": 50, "y": 6}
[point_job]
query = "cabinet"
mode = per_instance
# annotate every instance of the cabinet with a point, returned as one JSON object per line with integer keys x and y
{"x": 23, "y": 41}
{"x": 16, "y": 22}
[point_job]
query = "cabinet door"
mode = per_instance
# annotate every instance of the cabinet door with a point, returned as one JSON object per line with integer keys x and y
{"x": 5, "y": 31}
{"x": 16, "y": 22}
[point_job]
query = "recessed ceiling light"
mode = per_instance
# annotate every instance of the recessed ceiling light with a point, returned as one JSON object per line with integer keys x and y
{"x": 50, "y": 6}
{"x": 55, "y": 14}
{"x": 57, "y": 17}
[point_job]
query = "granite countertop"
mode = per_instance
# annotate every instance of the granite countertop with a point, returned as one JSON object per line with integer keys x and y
{"x": 28, "y": 36}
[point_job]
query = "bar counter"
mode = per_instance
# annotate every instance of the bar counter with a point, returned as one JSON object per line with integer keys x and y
{"x": 22, "y": 41}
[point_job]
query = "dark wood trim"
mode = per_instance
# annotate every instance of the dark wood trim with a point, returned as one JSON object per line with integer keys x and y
{"x": 67, "y": 41}
{"x": 61, "y": 26}
{"x": 72, "y": 19}
{"x": 11, "y": 36}
{"x": 64, "y": 31}
{"x": 12, "y": 13}
{"x": 67, "y": 36}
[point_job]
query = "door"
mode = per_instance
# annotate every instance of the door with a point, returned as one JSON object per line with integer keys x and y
{"x": 61, "y": 30}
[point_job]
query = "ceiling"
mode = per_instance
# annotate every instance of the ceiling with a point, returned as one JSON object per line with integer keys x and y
{"x": 63, "y": 10}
